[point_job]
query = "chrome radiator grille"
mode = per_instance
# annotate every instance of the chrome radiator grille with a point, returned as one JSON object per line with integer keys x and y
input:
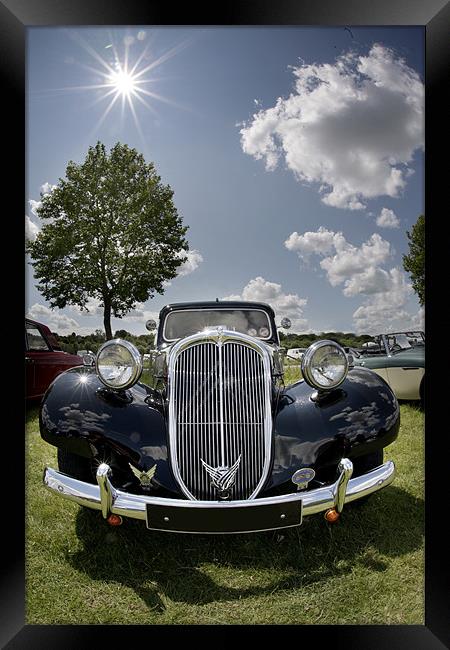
{"x": 220, "y": 411}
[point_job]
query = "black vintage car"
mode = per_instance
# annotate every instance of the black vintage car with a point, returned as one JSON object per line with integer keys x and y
{"x": 218, "y": 443}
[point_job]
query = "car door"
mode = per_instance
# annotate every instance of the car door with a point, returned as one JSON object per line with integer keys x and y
{"x": 405, "y": 376}
{"x": 36, "y": 360}
{"x": 404, "y": 371}
{"x": 43, "y": 363}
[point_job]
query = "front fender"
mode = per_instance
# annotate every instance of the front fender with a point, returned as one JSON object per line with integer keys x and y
{"x": 359, "y": 417}
{"x": 78, "y": 413}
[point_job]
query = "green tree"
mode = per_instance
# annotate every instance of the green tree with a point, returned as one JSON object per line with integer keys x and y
{"x": 414, "y": 263}
{"x": 121, "y": 334}
{"x": 111, "y": 232}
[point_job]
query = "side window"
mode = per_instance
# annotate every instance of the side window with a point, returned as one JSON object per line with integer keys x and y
{"x": 35, "y": 339}
{"x": 391, "y": 341}
{"x": 379, "y": 349}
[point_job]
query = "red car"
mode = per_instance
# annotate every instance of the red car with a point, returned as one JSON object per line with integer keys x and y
{"x": 44, "y": 359}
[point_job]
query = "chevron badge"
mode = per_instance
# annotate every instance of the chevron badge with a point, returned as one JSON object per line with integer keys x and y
{"x": 222, "y": 477}
{"x": 145, "y": 478}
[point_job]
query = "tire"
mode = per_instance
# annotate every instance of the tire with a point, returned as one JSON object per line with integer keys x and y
{"x": 75, "y": 466}
{"x": 363, "y": 464}
{"x": 422, "y": 393}
{"x": 80, "y": 468}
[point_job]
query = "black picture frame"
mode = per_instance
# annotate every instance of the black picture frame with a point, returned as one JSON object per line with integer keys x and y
{"x": 15, "y": 17}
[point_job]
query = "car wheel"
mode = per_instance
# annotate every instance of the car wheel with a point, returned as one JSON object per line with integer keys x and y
{"x": 76, "y": 466}
{"x": 422, "y": 393}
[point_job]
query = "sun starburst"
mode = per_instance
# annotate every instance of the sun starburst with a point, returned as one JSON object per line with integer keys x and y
{"x": 123, "y": 82}
{"x": 118, "y": 79}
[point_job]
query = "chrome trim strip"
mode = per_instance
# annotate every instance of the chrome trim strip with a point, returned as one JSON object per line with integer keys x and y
{"x": 134, "y": 506}
{"x": 222, "y": 427}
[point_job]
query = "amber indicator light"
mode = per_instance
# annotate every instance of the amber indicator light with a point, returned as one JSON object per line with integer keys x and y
{"x": 114, "y": 520}
{"x": 332, "y": 515}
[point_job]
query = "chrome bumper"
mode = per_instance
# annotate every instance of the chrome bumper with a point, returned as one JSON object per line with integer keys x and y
{"x": 106, "y": 498}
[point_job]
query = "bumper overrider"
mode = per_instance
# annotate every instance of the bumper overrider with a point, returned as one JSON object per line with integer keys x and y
{"x": 185, "y": 516}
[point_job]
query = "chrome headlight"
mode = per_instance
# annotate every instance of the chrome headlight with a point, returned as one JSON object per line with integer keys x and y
{"x": 118, "y": 364}
{"x": 324, "y": 365}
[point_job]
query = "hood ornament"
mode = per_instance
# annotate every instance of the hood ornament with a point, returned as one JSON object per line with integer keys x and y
{"x": 220, "y": 335}
{"x": 145, "y": 478}
{"x": 223, "y": 478}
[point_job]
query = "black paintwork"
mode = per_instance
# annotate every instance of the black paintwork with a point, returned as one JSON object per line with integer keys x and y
{"x": 81, "y": 415}
{"x": 216, "y": 304}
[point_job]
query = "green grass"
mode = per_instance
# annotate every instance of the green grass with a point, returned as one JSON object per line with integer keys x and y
{"x": 368, "y": 568}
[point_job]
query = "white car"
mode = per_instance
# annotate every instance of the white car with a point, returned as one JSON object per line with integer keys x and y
{"x": 295, "y": 353}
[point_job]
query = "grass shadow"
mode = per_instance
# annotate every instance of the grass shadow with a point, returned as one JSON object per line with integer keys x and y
{"x": 190, "y": 568}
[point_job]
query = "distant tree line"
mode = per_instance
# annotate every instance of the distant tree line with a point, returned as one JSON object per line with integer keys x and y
{"x": 346, "y": 339}
{"x": 74, "y": 342}
{"x": 145, "y": 342}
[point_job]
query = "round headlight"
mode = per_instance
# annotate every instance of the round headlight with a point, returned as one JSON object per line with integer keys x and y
{"x": 118, "y": 364}
{"x": 324, "y": 365}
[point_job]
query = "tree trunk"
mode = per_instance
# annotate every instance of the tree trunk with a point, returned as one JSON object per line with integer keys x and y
{"x": 107, "y": 319}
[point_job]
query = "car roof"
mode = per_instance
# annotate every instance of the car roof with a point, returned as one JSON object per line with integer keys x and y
{"x": 215, "y": 304}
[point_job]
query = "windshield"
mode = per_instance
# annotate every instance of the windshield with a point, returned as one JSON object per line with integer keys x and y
{"x": 185, "y": 322}
{"x": 398, "y": 342}
{"x": 414, "y": 339}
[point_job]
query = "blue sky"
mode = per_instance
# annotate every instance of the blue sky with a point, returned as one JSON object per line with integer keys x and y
{"x": 295, "y": 156}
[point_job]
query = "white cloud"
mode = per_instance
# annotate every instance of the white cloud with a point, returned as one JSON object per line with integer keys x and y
{"x": 347, "y": 262}
{"x": 194, "y": 259}
{"x": 385, "y": 310}
{"x": 418, "y": 321}
{"x": 34, "y": 206}
{"x": 350, "y": 261}
{"x": 93, "y": 307}
{"x": 53, "y": 318}
{"x": 137, "y": 315}
{"x": 320, "y": 242}
{"x": 31, "y": 229}
{"x": 358, "y": 269}
{"x": 352, "y": 127}
{"x": 388, "y": 219}
{"x": 373, "y": 280}
{"x": 47, "y": 188}
{"x": 290, "y": 305}
{"x": 140, "y": 315}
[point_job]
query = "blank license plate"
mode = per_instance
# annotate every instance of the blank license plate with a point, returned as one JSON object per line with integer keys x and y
{"x": 228, "y": 519}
